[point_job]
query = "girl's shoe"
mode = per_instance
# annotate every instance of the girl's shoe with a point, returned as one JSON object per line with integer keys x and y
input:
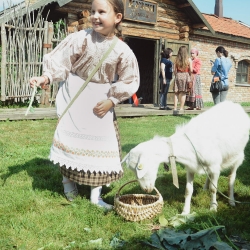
{"x": 181, "y": 112}
{"x": 103, "y": 204}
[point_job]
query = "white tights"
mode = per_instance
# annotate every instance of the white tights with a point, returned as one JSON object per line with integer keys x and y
{"x": 95, "y": 195}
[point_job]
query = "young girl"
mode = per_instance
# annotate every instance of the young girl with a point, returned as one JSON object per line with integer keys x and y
{"x": 221, "y": 68}
{"x": 165, "y": 77}
{"x": 85, "y": 143}
{"x": 194, "y": 97}
{"x": 182, "y": 69}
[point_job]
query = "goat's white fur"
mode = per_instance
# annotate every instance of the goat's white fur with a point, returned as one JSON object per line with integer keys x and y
{"x": 219, "y": 136}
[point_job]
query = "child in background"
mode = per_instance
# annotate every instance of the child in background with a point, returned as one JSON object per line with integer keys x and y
{"x": 182, "y": 70}
{"x": 85, "y": 143}
{"x": 165, "y": 77}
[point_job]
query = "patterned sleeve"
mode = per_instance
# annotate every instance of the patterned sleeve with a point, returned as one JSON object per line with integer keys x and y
{"x": 58, "y": 63}
{"x": 129, "y": 79}
{"x": 196, "y": 65}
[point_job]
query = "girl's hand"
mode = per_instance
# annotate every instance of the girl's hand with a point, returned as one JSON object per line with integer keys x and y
{"x": 164, "y": 81}
{"x": 39, "y": 81}
{"x": 103, "y": 107}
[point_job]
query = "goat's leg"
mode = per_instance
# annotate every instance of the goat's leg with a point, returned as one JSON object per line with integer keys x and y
{"x": 231, "y": 181}
{"x": 188, "y": 193}
{"x": 213, "y": 189}
{"x": 232, "y": 177}
{"x": 207, "y": 183}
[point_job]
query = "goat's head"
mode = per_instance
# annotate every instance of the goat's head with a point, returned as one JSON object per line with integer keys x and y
{"x": 144, "y": 161}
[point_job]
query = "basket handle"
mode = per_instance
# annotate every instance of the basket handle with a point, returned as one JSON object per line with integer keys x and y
{"x": 118, "y": 193}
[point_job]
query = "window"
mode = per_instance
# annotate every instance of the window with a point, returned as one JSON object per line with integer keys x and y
{"x": 242, "y": 72}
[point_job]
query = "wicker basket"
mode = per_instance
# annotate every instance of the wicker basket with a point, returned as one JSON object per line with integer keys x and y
{"x": 137, "y": 207}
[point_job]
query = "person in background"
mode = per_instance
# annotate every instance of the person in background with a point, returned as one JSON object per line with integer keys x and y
{"x": 182, "y": 70}
{"x": 85, "y": 144}
{"x": 194, "y": 97}
{"x": 165, "y": 77}
{"x": 225, "y": 65}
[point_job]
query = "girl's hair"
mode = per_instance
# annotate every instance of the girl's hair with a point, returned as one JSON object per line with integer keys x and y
{"x": 181, "y": 60}
{"x": 118, "y": 8}
{"x": 222, "y": 50}
{"x": 166, "y": 53}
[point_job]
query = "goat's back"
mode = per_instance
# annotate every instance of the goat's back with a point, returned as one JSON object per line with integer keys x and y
{"x": 223, "y": 129}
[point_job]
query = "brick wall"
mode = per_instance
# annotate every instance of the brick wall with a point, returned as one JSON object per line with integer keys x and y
{"x": 206, "y": 47}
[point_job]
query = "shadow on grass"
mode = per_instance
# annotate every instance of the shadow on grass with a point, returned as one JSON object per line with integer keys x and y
{"x": 44, "y": 174}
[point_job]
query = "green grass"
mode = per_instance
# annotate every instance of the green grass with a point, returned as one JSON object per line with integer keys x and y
{"x": 35, "y": 215}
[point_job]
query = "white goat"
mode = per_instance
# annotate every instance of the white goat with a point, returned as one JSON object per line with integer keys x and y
{"x": 211, "y": 142}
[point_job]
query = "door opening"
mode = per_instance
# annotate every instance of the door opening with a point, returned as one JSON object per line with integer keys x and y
{"x": 144, "y": 51}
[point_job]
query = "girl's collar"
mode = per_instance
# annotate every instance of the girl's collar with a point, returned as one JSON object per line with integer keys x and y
{"x": 101, "y": 36}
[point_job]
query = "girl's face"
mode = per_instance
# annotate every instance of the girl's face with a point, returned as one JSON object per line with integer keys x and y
{"x": 104, "y": 18}
{"x": 218, "y": 54}
{"x": 193, "y": 55}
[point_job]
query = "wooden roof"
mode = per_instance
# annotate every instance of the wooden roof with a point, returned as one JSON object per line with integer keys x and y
{"x": 194, "y": 15}
{"x": 187, "y": 5}
{"x": 20, "y": 9}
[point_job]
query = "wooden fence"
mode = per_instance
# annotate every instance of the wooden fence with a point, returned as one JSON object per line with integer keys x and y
{"x": 25, "y": 39}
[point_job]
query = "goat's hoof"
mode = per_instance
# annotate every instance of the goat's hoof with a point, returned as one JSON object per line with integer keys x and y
{"x": 185, "y": 213}
{"x": 213, "y": 207}
{"x": 232, "y": 203}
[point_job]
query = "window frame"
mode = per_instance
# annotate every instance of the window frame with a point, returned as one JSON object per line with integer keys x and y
{"x": 243, "y": 63}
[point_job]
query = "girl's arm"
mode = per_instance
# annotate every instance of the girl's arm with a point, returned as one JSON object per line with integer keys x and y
{"x": 58, "y": 63}
{"x": 175, "y": 69}
{"x": 215, "y": 66}
{"x": 190, "y": 65}
{"x": 129, "y": 78}
{"x": 163, "y": 72}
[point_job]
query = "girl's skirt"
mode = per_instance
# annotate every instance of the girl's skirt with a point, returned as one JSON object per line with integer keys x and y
{"x": 181, "y": 81}
{"x": 85, "y": 146}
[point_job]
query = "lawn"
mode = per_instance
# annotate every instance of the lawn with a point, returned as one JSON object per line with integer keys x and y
{"x": 35, "y": 215}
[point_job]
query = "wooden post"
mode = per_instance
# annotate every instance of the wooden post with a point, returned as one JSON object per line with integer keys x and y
{"x": 50, "y": 36}
{"x": 156, "y": 73}
{"x": 47, "y": 92}
{"x": 45, "y": 39}
{"x": 45, "y": 51}
{"x": 3, "y": 62}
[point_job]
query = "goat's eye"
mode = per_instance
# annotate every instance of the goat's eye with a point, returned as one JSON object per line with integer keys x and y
{"x": 140, "y": 166}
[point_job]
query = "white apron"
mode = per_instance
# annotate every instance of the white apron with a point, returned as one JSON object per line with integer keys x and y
{"x": 82, "y": 140}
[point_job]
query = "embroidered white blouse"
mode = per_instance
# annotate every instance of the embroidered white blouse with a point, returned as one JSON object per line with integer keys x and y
{"x": 80, "y": 52}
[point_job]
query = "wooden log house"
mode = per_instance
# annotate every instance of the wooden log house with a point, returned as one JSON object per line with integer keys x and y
{"x": 149, "y": 26}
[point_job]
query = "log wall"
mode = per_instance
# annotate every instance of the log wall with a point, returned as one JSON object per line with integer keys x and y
{"x": 172, "y": 22}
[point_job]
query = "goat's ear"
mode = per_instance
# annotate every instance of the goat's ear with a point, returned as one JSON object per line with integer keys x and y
{"x": 141, "y": 170}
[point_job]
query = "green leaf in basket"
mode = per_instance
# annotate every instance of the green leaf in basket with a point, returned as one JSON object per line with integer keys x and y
{"x": 163, "y": 222}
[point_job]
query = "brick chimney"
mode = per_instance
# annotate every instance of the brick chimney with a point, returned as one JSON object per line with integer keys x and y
{"x": 218, "y": 8}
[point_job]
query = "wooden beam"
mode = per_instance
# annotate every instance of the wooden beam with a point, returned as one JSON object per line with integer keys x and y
{"x": 184, "y": 5}
{"x": 217, "y": 35}
{"x": 198, "y": 25}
